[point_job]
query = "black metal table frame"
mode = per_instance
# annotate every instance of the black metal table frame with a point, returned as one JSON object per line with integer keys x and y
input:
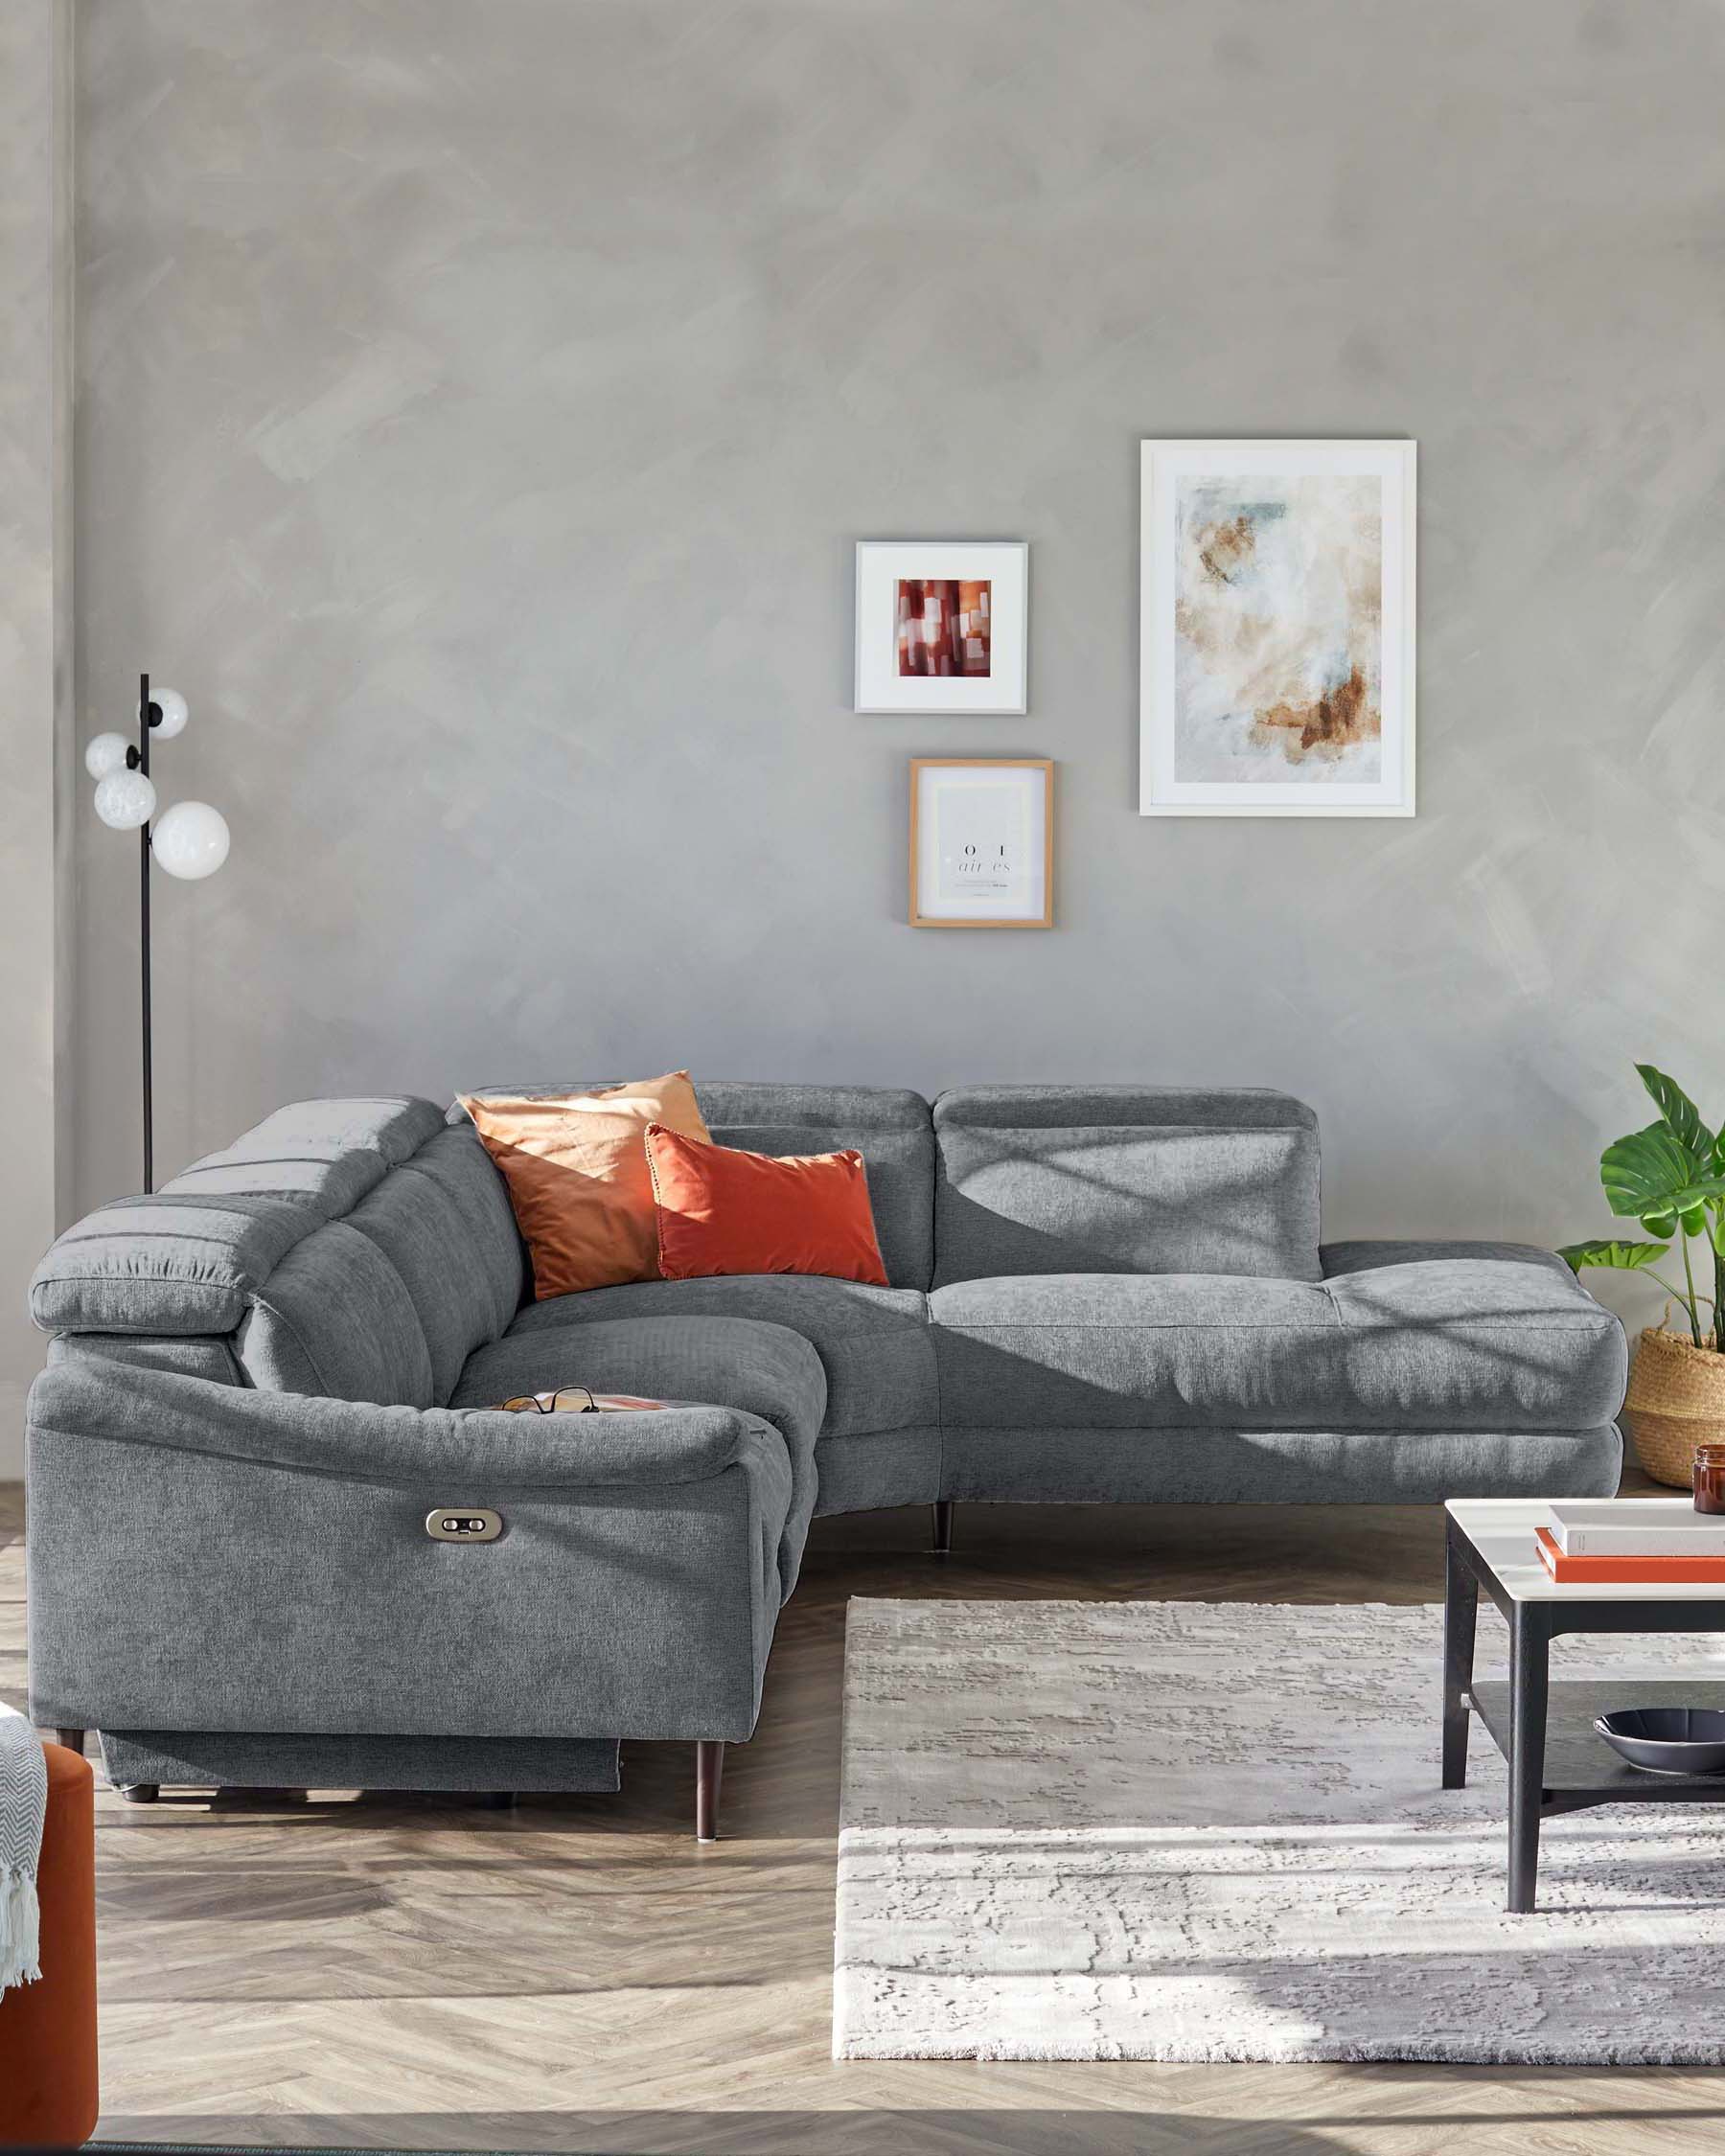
{"x": 1532, "y": 1627}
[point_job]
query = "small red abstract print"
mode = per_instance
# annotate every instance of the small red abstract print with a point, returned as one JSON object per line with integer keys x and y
{"x": 943, "y": 625}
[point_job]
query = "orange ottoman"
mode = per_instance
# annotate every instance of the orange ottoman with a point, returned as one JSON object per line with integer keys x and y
{"x": 48, "y": 2091}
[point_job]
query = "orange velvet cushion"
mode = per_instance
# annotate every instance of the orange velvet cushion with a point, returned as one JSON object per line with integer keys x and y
{"x": 576, "y": 1168}
{"x": 725, "y": 1211}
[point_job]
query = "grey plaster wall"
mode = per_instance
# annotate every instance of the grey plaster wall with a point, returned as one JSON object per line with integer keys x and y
{"x": 478, "y": 406}
{"x": 35, "y": 690}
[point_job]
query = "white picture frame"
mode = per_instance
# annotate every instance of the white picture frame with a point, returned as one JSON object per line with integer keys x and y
{"x": 981, "y": 842}
{"x": 884, "y": 570}
{"x": 1261, "y": 567}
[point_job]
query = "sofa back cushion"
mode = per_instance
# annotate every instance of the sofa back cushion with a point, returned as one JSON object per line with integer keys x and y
{"x": 336, "y": 1319}
{"x": 443, "y": 1222}
{"x": 360, "y": 1249}
{"x": 1124, "y": 1178}
{"x": 189, "y": 1258}
{"x": 892, "y": 1129}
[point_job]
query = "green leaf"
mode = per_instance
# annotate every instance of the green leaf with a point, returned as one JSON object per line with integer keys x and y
{"x": 1680, "y": 1113}
{"x": 1626, "y": 1257}
{"x": 1650, "y": 1175}
{"x": 1694, "y": 1221}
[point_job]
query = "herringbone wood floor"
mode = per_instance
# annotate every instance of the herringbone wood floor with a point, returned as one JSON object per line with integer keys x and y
{"x": 578, "y": 1975}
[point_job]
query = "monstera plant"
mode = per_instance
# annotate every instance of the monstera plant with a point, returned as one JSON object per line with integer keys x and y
{"x": 1672, "y": 1179}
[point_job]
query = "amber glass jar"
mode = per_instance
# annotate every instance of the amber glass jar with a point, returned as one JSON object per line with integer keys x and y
{"x": 1710, "y": 1478}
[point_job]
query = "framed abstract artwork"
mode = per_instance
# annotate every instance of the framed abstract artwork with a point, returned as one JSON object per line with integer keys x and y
{"x": 1277, "y": 629}
{"x": 942, "y": 626}
{"x": 981, "y": 842}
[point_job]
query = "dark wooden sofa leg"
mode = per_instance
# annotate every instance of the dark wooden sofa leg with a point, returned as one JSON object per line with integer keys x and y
{"x": 709, "y": 1773}
{"x": 943, "y": 1526}
{"x": 72, "y": 1740}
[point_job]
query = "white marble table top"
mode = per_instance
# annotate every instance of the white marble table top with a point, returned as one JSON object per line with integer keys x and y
{"x": 1501, "y": 1530}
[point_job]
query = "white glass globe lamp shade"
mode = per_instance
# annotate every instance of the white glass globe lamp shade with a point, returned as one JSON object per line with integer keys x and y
{"x": 107, "y": 752}
{"x": 173, "y": 712}
{"x": 190, "y": 840}
{"x": 124, "y": 799}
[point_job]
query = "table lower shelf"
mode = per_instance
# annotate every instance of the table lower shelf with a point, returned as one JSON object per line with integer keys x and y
{"x": 1580, "y": 1768}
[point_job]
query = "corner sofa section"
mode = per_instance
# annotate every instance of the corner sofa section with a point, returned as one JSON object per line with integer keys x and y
{"x": 879, "y": 1440}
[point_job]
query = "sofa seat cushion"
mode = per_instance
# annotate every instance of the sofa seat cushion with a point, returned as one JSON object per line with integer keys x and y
{"x": 873, "y": 1341}
{"x": 1458, "y": 1341}
{"x": 764, "y": 1370}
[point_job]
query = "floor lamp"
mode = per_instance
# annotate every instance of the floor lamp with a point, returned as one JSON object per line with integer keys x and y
{"x": 190, "y": 839}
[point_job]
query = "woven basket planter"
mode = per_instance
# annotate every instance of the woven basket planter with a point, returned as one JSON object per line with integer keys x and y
{"x": 1675, "y": 1401}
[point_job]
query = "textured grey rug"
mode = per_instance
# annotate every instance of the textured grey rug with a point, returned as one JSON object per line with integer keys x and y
{"x": 1191, "y": 1831}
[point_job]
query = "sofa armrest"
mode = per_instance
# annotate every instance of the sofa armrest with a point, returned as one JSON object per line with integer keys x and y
{"x": 207, "y": 1558}
{"x": 366, "y": 1443}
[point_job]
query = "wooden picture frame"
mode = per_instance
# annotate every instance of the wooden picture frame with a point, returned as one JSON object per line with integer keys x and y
{"x": 991, "y": 809}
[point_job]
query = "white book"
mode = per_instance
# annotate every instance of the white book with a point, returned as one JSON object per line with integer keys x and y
{"x": 1635, "y": 1528}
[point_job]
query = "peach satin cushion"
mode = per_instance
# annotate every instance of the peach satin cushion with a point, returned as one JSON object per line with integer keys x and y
{"x": 721, "y": 1210}
{"x": 576, "y": 1168}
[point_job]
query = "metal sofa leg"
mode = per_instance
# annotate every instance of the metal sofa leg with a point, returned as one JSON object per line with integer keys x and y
{"x": 140, "y": 1792}
{"x": 943, "y": 1526}
{"x": 709, "y": 1773}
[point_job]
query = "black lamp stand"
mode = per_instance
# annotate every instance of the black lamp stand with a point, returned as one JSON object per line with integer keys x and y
{"x": 187, "y": 839}
{"x": 149, "y": 715}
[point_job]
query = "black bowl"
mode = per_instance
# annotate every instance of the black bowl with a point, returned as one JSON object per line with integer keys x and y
{"x": 1667, "y": 1740}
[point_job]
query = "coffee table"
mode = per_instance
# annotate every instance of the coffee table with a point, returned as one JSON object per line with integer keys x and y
{"x": 1558, "y": 1762}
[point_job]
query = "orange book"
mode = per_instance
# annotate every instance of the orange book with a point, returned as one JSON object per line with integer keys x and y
{"x": 1626, "y": 1571}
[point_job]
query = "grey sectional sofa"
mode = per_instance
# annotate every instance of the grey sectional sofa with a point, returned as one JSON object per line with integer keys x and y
{"x": 270, "y": 1380}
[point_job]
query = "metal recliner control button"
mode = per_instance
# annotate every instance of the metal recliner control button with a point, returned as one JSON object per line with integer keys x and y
{"x": 465, "y": 1523}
